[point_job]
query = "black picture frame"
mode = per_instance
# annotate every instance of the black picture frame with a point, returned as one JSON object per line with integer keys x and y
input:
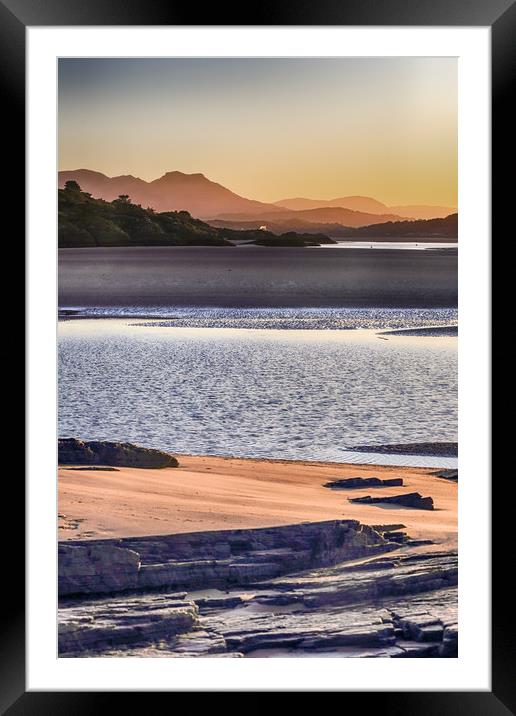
{"x": 500, "y": 16}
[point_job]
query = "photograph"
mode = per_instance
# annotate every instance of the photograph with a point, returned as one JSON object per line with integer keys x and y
{"x": 257, "y": 357}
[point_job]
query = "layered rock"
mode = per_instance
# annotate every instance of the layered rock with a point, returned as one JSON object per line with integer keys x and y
{"x": 369, "y": 581}
{"x": 96, "y": 569}
{"x": 200, "y": 559}
{"x": 72, "y": 451}
{"x": 311, "y": 589}
{"x": 409, "y": 499}
{"x": 397, "y": 606}
{"x": 105, "y": 624}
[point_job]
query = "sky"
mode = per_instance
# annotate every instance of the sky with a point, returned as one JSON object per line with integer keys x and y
{"x": 268, "y": 128}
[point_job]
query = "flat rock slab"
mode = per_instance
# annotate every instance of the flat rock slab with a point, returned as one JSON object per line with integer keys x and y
{"x": 352, "y": 483}
{"x": 401, "y": 606}
{"x": 443, "y": 449}
{"x": 452, "y": 475}
{"x": 410, "y": 499}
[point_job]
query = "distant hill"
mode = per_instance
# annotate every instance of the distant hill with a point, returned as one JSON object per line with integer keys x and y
{"x": 357, "y": 203}
{"x": 446, "y": 228}
{"x": 85, "y": 221}
{"x": 423, "y": 211}
{"x": 220, "y": 207}
{"x": 370, "y": 205}
{"x": 302, "y": 220}
{"x": 174, "y": 191}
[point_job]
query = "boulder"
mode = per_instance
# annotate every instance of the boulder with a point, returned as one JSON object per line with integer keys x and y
{"x": 72, "y": 451}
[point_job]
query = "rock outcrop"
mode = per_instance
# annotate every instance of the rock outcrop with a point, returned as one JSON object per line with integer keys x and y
{"x": 351, "y": 483}
{"x": 409, "y": 499}
{"x": 96, "y": 569}
{"x": 311, "y": 589}
{"x": 100, "y": 625}
{"x": 200, "y": 559}
{"x": 403, "y": 605}
{"x": 72, "y": 451}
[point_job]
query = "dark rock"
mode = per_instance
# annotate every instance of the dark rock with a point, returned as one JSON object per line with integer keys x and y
{"x": 442, "y": 449}
{"x": 99, "y": 468}
{"x": 396, "y": 536}
{"x": 388, "y": 528}
{"x": 418, "y": 542}
{"x": 414, "y": 649}
{"x": 409, "y": 499}
{"x": 80, "y": 452}
{"x": 351, "y": 483}
{"x": 452, "y": 475}
{"x": 218, "y": 602}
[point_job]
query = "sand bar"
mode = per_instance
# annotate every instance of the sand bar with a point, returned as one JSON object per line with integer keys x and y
{"x": 217, "y": 493}
{"x": 256, "y": 276}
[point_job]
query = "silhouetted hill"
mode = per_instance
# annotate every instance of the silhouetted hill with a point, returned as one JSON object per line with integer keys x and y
{"x": 293, "y": 220}
{"x": 370, "y": 205}
{"x": 423, "y": 211}
{"x": 85, "y": 221}
{"x": 446, "y": 228}
{"x": 356, "y": 203}
{"x": 174, "y": 191}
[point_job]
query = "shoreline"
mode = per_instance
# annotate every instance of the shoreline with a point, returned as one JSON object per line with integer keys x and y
{"x": 218, "y": 493}
{"x": 235, "y": 558}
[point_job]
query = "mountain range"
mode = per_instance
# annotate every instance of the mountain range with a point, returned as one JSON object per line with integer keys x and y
{"x": 174, "y": 191}
{"x": 212, "y": 202}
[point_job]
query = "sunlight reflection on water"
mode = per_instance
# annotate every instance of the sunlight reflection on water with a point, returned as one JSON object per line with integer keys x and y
{"x": 257, "y": 393}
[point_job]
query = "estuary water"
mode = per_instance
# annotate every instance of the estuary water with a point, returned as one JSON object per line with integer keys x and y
{"x": 301, "y": 384}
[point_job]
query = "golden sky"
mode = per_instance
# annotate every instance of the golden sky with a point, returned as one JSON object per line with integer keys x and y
{"x": 269, "y": 128}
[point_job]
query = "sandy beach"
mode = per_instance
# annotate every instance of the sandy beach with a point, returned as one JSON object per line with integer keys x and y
{"x": 256, "y": 276}
{"x": 217, "y": 493}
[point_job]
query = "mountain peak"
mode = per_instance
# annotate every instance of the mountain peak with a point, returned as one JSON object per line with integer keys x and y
{"x": 181, "y": 176}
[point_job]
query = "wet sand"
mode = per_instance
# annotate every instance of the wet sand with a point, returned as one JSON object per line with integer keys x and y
{"x": 216, "y": 493}
{"x": 257, "y": 276}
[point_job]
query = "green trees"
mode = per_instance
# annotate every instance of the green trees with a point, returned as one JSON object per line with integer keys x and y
{"x": 72, "y": 185}
{"x": 85, "y": 221}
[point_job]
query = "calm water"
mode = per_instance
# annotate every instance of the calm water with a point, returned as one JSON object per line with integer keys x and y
{"x": 400, "y": 245}
{"x": 259, "y": 392}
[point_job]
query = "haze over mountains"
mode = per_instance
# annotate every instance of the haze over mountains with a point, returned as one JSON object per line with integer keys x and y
{"x": 212, "y": 202}
{"x": 369, "y": 205}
